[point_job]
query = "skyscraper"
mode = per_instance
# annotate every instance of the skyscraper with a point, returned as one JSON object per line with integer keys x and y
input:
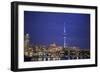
{"x": 26, "y": 41}
{"x": 64, "y": 36}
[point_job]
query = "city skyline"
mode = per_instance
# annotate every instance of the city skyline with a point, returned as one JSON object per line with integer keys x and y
{"x": 46, "y": 27}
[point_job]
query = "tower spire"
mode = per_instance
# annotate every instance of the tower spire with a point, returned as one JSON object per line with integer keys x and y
{"x": 64, "y": 36}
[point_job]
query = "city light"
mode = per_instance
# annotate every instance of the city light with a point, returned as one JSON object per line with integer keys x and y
{"x": 52, "y": 52}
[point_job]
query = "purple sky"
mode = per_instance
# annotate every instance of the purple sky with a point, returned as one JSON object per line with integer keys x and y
{"x": 46, "y": 27}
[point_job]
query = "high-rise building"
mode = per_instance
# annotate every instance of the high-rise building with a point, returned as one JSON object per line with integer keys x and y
{"x": 26, "y": 41}
{"x": 64, "y": 36}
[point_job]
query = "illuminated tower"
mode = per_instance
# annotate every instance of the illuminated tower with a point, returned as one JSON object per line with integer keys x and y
{"x": 26, "y": 41}
{"x": 64, "y": 36}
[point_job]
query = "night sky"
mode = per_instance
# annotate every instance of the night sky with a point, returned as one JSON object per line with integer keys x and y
{"x": 47, "y": 27}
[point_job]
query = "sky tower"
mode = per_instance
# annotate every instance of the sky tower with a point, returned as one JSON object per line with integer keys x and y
{"x": 64, "y": 36}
